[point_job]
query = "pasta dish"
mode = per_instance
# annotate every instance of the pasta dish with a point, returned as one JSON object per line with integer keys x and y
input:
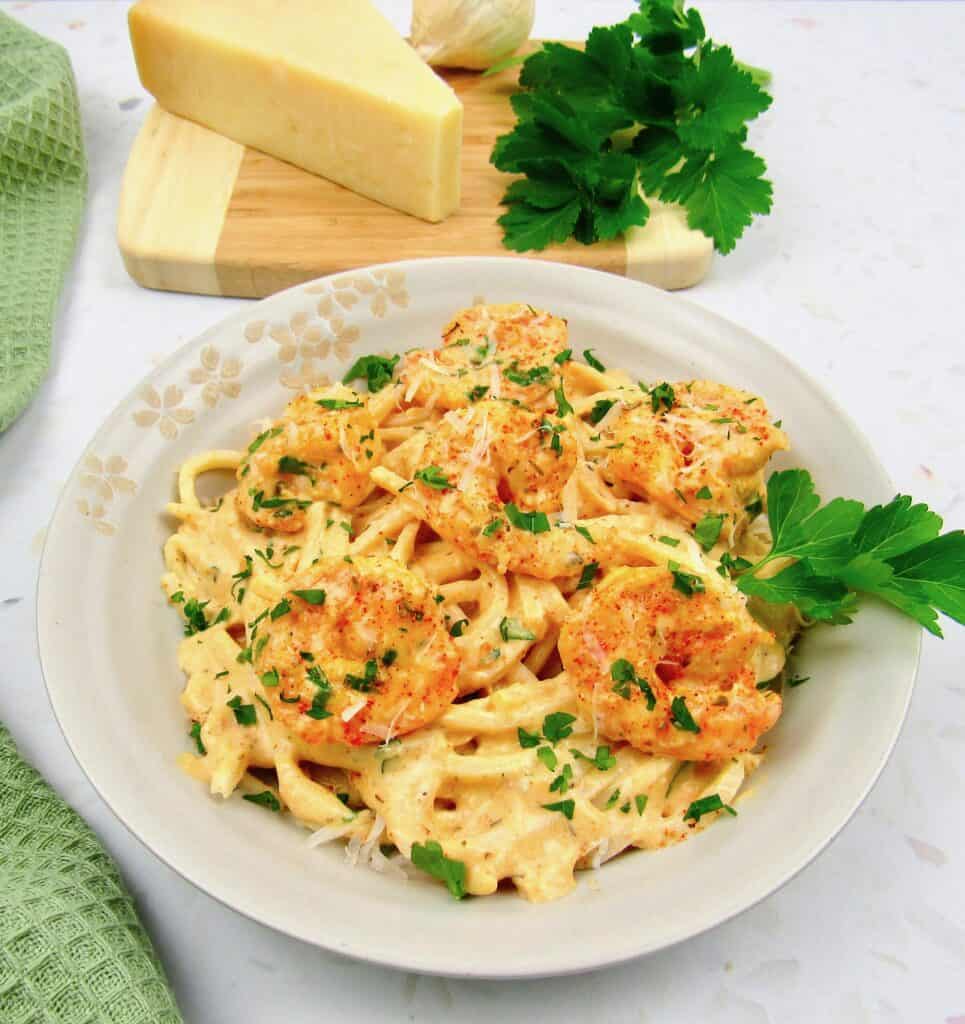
{"x": 478, "y": 616}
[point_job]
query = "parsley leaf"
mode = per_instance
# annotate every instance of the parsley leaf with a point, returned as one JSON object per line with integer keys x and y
{"x": 603, "y": 760}
{"x": 707, "y": 805}
{"x": 366, "y": 682}
{"x": 524, "y": 378}
{"x": 376, "y": 370}
{"x": 623, "y": 674}
{"x": 588, "y": 575}
{"x": 195, "y": 734}
{"x": 511, "y": 629}
{"x": 244, "y": 713}
{"x": 600, "y": 408}
{"x": 338, "y": 403}
{"x": 565, "y": 807}
{"x": 558, "y": 725}
{"x": 432, "y": 476}
{"x": 708, "y": 530}
{"x": 591, "y": 360}
{"x": 263, "y": 799}
{"x": 681, "y": 717}
{"x": 315, "y": 597}
{"x": 428, "y": 857}
{"x": 532, "y": 522}
{"x": 527, "y": 739}
{"x": 662, "y": 394}
{"x": 548, "y": 758}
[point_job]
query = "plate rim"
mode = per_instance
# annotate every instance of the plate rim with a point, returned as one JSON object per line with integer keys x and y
{"x": 403, "y": 960}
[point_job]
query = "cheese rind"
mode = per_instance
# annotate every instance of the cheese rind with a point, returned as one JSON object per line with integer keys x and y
{"x": 327, "y": 85}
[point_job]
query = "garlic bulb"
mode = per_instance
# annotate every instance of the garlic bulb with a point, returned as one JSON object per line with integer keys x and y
{"x": 469, "y": 33}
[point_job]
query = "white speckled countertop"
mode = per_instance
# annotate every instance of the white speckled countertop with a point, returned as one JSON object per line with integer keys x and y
{"x": 855, "y": 276}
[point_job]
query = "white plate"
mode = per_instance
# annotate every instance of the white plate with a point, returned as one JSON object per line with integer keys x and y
{"x": 108, "y": 638}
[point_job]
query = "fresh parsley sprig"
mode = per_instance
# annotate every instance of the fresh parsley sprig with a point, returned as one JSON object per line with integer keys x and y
{"x": 681, "y": 103}
{"x": 894, "y": 551}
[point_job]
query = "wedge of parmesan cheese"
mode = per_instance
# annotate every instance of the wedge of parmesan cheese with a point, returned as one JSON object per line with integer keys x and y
{"x": 327, "y": 85}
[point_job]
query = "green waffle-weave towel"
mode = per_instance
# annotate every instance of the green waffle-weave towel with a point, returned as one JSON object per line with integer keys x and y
{"x": 43, "y": 181}
{"x": 72, "y": 950}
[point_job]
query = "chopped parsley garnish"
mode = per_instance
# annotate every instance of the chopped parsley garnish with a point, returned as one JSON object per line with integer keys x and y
{"x": 270, "y": 678}
{"x": 671, "y": 542}
{"x": 364, "y": 683}
{"x": 704, "y": 494}
{"x": 240, "y": 577}
{"x": 532, "y": 522}
{"x": 282, "y": 608}
{"x": 662, "y": 394}
{"x": 681, "y": 717}
{"x": 459, "y": 627}
{"x": 527, "y": 739}
{"x": 289, "y": 700}
{"x": 491, "y": 527}
{"x": 221, "y": 675}
{"x": 584, "y": 532}
{"x": 600, "y": 408}
{"x": 376, "y": 370}
{"x": 723, "y": 419}
{"x": 524, "y": 378}
{"x": 177, "y": 597}
{"x": 262, "y": 438}
{"x": 591, "y": 360}
{"x": 195, "y": 734}
{"x": 562, "y": 781}
{"x": 602, "y": 760}
{"x": 389, "y": 657}
{"x": 264, "y": 799}
{"x": 315, "y": 597}
{"x": 338, "y": 403}
{"x": 558, "y": 725}
{"x": 563, "y": 407}
{"x": 347, "y": 527}
{"x": 432, "y": 476}
{"x": 244, "y": 713}
{"x": 707, "y": 805}
{"x": 511, "y": 629}
{"x": 428, "y": 857}
{"x": 708, "y": 530}
{"x": 612, "y": 799}
{"x": 588, "y": 575}
{"x": 730, "y": 566}
{"x": 624, "y": 675}
{"x": 755, "y": 508}
{"x": 686, "y": 582}
{"x": 194, "y": 617}
{"x": 641, "y": 803}
{"x": 323, "y": 691}
{"x": 289, "y": 464}
{"x": 261, "y": 700}
{"x": 548, "y": 758}
{"x": 565, "y": 807}
{"x": 563, "y": 357}
{"x": 477, "y": 392}
{"x": 797, "y": 680}
{"x": 554, "y": 431}
{"x": 267, "y": 555}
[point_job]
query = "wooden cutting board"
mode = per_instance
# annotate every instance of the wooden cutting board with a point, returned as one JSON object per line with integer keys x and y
{"x": 200, "y": 213}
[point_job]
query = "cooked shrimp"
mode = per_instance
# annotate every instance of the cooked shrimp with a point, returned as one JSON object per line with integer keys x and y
{"x": 705, "y": 453}
{"x": 320, "y": 450}
{"x": 356, "y": 652}
{"x": 669, "y": 660}
{"x": 500, "y": 351}
{"x": 485, "y": 467}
